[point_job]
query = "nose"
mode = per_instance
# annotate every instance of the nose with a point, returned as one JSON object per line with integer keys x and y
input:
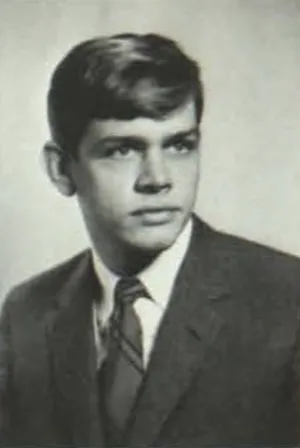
{"x": 154, "y": 175}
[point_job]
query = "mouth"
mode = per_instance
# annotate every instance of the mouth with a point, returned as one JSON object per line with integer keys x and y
{"x": 152, "y": 216}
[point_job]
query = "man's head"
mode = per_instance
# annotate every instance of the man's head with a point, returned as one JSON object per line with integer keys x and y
{"x": 121, "y": 77}
{"x": 124, "y": 114}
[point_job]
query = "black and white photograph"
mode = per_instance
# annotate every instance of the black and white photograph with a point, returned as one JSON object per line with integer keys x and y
{"x": 150, "y": 223}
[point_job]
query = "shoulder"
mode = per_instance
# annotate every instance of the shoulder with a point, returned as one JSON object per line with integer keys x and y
{"x": 251, "y": 264}
{"x": 263, "y": 284}
{"x": 40, "y": 291}
{"x": 241, "y": 248}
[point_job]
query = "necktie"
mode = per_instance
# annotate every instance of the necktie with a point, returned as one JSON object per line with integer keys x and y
{"x": 123, "y": 368}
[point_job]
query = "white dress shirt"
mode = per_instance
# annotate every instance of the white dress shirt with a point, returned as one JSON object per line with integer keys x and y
{"x": 158, "y": 278}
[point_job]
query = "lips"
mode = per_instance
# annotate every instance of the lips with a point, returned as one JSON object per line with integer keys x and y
{"x": 152, "y": 216}
{"x": 154, "y": 210}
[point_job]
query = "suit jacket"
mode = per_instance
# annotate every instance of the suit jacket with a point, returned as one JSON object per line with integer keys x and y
{"x": 224, "y": 370}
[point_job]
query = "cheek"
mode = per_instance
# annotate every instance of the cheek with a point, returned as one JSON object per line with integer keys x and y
{"x": 187, "y": 175}
{"x": 107, "y": 191}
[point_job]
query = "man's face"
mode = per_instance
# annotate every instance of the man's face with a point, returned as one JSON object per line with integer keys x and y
{"x": 137, "y": 179}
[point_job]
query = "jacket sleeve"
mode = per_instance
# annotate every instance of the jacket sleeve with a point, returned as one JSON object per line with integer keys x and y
{"x": 5, "y": 377}
{"x": 297, "y": 377}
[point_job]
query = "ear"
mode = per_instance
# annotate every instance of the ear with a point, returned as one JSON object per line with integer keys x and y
{"x": 58, "y": 168}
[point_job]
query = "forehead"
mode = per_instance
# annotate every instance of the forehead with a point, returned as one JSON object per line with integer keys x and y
{"x": 180, "y": 120}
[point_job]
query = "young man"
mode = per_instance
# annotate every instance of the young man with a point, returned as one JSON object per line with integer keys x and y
{"x": 166, "y": 332}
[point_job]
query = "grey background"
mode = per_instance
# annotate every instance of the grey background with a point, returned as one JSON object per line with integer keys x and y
{"x": 250, "y": 54}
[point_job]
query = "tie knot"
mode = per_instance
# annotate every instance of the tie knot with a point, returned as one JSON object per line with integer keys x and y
{"x": 129, "y": 289}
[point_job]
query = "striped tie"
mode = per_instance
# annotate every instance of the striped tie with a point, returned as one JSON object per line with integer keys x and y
{"x": 123, "y": 371}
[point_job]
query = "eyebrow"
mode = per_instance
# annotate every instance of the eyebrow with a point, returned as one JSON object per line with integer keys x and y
{"x": 130, "y": 140}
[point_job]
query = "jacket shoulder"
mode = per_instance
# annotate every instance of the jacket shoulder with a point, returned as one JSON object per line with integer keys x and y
{"x": 243, "y": 247}
{"x": 40, "y": 290}
{"x": 249, "y": 264}
{"x": 256, "y": 252}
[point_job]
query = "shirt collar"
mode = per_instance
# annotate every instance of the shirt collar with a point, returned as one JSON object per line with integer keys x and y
{"x": 159, "y": 277}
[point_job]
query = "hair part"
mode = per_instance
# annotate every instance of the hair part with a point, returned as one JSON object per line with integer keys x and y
{"x": 122, "y": 77}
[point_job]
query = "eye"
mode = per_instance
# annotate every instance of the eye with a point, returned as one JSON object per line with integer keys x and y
{"x": 121, "y": 152}
{"x": 182, "y": 146}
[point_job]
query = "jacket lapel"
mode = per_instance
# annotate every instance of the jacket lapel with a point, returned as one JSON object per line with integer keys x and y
{"x": 190, "y": 326}
{"x": 73, "y": 357}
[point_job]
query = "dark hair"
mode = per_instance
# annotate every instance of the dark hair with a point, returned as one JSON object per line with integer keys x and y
{"x": 122, "y": 77}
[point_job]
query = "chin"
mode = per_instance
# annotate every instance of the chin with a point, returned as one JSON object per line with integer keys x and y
{"x": 154, "y": 240}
